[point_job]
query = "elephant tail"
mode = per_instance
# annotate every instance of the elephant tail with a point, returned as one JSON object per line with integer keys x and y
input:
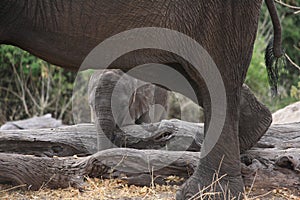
{"x": 274, "y": 56}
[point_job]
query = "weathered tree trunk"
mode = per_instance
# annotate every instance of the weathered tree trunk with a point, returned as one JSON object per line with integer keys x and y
{"x": 273, "y": 162}
{"x": 81, "y": 139}
{"x": 136, "y": 166}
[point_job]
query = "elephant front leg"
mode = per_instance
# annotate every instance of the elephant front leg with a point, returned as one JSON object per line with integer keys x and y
{"x": 218, "y": 175}
{"x": 255, "y": 119}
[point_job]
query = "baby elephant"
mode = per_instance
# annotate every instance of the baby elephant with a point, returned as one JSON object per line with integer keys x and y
{"x": 117, "y": 100}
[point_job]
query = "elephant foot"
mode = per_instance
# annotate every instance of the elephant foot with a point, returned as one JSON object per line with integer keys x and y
{"x": 189, "y": 190}
{"x": 221, "y": 188}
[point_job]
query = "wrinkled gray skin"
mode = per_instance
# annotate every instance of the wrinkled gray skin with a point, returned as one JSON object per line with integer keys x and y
{"x": 64, "y": 32}
{"x": 137, "y": 101}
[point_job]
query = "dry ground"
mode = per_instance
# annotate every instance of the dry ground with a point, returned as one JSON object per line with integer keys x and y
{"x": 117, "y": 189}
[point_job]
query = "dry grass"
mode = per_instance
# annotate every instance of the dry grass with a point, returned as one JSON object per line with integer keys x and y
{"x": 275, "y": 194}
{"x": 95, "y": 189}
{"x": 117, "y": 189}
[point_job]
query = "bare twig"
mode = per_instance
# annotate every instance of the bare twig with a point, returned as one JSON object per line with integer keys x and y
{"x": 65, "y": 107}
{"x": 252, "y": 185}
{"x": 297, "y": 48}
{"x": 202, "y": 193}
{"x": 21, "y": 84}
{"x": 292, "y": 62}
{"x": 32, "y": 98}
{"x": 13, "y": 188}
{"x": 287, "y": 5}
{"x": 12, "y": 92}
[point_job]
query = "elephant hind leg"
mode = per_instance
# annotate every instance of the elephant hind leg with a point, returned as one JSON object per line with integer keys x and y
{"x": 218, "y": 174}
{"x": 255, "y": 119}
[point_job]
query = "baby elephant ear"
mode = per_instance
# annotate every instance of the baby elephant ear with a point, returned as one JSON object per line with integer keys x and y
{"x": 141, "y": 100}
{"x": 149, "y": 104}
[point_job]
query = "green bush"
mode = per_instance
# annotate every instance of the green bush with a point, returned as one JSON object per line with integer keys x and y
{"x": 257, "y": 80}
{"x": 295, "y": 92}
{"x": 30, "y": 86}
{"x": 289, "y": 76}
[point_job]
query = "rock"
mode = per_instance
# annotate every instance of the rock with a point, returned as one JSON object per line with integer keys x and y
{"x": 288, "y": 114}
{"x": 45, "y": 121}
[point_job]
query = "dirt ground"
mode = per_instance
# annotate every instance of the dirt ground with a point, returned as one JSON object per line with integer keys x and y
{"x": 119, "y": 190}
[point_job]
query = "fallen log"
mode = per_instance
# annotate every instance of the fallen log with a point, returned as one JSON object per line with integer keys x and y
{"x": 138, "y": 167}
{"x": 172, "y": 135}
{"x": 135, "y": 166}
{"x": 81, "y": 140}
{"x": 273, "y": 162}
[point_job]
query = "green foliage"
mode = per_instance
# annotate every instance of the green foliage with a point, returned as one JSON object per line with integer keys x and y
{"x": 295, "y": 92}
{"x": 257, "y": 74}
{"x": 12, "y": 56}
{"x": 257, "y": 77}
{"x": 291, "y": 43}
{"x": 30, "y": 86}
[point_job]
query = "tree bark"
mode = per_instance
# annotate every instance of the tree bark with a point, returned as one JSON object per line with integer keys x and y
{"x": 136, "y": 166}
{"x": 173, "y": 135}
{"x": 273, "y": 162}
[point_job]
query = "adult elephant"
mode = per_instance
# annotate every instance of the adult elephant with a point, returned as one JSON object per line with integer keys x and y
{"x": 64, "y": 32}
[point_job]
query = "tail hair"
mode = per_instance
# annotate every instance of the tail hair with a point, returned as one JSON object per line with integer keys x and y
{"x": 273, "y": 65}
